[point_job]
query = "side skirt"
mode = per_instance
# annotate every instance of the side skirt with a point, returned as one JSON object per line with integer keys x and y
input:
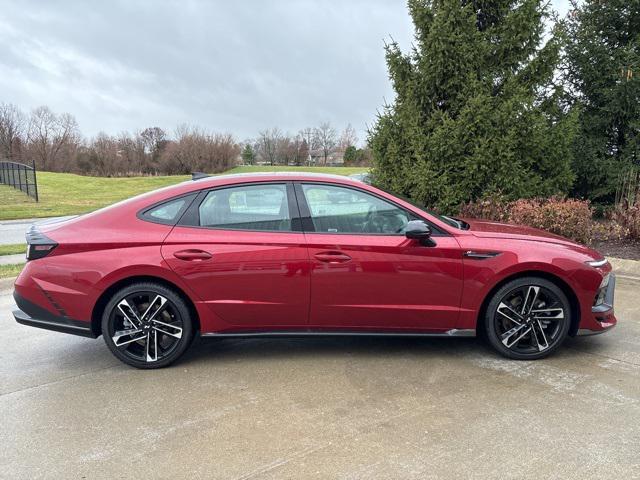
{"x": 310, "y": 333}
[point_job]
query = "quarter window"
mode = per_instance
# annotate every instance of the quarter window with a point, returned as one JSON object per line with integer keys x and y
{"x": 345, "y": 210}
{"x": 169, "y": 211}
{"x": 250, "y": 207}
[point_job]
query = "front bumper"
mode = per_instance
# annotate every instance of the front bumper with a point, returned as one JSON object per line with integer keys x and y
{"x": 32, "y": 315}
{"x": 603, "y": 314}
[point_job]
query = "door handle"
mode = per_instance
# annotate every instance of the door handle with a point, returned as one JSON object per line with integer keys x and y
{"x": 191, "y": 255}
{"x": 332, "y": 257}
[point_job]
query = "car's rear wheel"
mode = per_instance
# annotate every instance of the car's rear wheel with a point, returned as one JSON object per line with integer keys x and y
{"x": 147, "y": 325}
{"x": 527, "y": 318}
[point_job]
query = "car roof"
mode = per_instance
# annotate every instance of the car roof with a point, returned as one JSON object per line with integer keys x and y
{"x": 270, "y": 176}
{"x": 287, "y": 175}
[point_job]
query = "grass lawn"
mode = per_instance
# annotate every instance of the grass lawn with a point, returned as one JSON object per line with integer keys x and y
{"x": 9, "y": 271}
{"x": 13, "y": 249}
{"x": 69, "y": 194}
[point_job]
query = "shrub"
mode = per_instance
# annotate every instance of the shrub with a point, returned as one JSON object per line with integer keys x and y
{"x": 626, "y": 213}
{"x": 567, "y": 217}
{"x": 627, "y": 218}
{"x": 492, "y": 207}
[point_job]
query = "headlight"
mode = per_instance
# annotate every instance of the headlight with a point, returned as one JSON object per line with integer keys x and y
{"x": 602, "y": 291}
{"x": 597, "y": 263}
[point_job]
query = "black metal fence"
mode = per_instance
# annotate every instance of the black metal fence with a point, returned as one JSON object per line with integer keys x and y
{"x": 19, "y": 176}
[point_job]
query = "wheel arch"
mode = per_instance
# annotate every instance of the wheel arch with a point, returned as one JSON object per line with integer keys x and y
{"x": 559, "y": 282}
{"x": 98, "y": 308}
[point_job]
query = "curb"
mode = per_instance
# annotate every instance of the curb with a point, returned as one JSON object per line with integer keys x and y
{"x": 625, "y": 268}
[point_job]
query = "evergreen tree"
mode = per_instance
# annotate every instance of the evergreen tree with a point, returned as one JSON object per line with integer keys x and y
{"x": 603, "y": 71}
{"x": 475, "y": 109}
{"x": 248, "y": 155}
{"x": 350, "y": 155}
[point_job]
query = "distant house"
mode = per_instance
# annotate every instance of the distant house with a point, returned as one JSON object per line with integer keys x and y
{"x": 335, "y": 157}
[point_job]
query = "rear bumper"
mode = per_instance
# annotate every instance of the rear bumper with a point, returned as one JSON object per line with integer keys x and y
{"x": 32, "y": 315}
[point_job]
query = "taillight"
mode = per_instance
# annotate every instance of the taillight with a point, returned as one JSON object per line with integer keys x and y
{"x": 38, "y": 244}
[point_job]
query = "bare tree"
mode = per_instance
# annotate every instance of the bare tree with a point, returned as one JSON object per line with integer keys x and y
{"x": 131, "y": 153}
{"x": 325, "y": 138}
{"x": 348, "y": 138}
{"x": 12, "y": 127}
{"x": 154, "y": 140}
{"x": 267, "y": 144}
{"x": 309, "y": 139}
{"x": 106, "y": 154}
{"x": 49, "y": 135}
{"x": 197, "y": 150}
{"x": 301, "y": 148}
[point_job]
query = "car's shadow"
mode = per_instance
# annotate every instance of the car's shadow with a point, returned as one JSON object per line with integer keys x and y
{"x": 251, "y": 349}
{"x": 205, "y": 350}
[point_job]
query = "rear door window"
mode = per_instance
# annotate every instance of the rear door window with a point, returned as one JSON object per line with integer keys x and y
{"x": 247, "y": 207}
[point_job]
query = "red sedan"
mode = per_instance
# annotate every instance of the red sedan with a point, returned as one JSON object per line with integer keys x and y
{"x": 303, "y": 254}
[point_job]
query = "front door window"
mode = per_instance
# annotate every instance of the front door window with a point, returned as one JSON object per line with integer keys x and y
{"x": 345, "y": 210}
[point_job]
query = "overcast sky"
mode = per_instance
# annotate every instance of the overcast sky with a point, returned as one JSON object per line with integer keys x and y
{"x": 232, "y": 66}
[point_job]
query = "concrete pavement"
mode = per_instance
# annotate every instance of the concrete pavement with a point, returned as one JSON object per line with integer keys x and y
{"x": 13, "y": 259}
{"x": 12, "y": 231}
{"x": 322, "y": 408}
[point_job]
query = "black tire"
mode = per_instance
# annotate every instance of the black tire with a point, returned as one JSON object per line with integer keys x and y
{"x": 155, "y": 334}
{"x": 527, "y": 318}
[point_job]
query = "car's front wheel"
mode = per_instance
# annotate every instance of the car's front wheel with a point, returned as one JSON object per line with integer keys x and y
{"x": 147, "y": 325}
{"x": 527, "y": 318}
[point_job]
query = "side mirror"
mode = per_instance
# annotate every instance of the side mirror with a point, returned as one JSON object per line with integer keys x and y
{"x": 420, "y": 231}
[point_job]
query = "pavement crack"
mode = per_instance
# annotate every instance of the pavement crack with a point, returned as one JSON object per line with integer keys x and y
{"x": 310, "y": 450}
{"x": 604, "y": 356}
{"x": 33, "y": 387}
{"x": 279, "y": 463}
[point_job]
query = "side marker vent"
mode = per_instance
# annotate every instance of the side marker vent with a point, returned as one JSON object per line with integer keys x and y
{"x": 480, "y": 255}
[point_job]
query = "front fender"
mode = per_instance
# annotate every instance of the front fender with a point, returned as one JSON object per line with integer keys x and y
{"x": 483, "y": 276}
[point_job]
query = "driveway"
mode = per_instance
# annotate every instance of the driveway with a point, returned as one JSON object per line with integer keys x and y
{"x": 322, "y": 408}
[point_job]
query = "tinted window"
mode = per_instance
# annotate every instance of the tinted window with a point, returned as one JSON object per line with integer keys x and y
{"x": 250, "y": 207}
{"x": 168, "y": 212}
{"x": 345, "y": 210}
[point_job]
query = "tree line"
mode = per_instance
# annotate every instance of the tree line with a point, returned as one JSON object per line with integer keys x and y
{"x": 53, "y": 142}
{"x": 311, "y": 146}
{"x": 503, "y": 97}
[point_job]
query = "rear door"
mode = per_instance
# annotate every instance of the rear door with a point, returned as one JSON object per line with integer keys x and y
{"x": 240, "y": 249}
{"x": 366, "y": 274}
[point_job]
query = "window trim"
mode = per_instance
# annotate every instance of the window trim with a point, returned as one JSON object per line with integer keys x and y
{"x": 191, "y": 217}
{"x": 309, "y": 227}
{"x": 143, "y": 214}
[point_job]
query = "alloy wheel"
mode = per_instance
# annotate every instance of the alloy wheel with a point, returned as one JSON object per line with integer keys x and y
{"x": 530, "y": 319}
{"x": 145, "y": 326}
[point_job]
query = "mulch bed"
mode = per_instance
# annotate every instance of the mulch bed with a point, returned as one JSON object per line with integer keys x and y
{"x": 618, "y": 248}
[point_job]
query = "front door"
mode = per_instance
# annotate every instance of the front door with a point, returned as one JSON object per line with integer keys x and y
{"x": 243, "y": 258}
{"x": 366, "y": 274}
